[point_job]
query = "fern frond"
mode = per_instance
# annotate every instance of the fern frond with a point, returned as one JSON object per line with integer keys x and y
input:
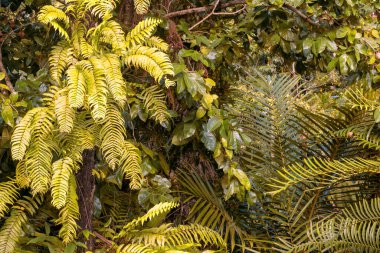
{"x": 141, "y": 6}
{"x": 157, "y": 42}
{"x": 142, "y": 32}
{"x": 77, "y": 86}
{"x": 358, "y": 99}
{"x": 59, "y": 59}
{"x": 323, "y": 171}
{"x": 109, "y": 32}
{"x": 133, "y": 248}
{"x": 130, "y": 164}
{"x": 365, "y": 210}
{"x": 22, "y": 175}
{"x": 155, "y": 104}
{"x": 22, "y": 135}
{"x": 64, "y": 112}
{"x": 114, "y": 78}
{"x": 62, "y": 170}
{"x": 52, "y": 16}
{"x": 11, "y": 231}
{"x": 97, "y": 88}
{"x": 80, "y": 45}
{"x": 162, "y": 207}
{"x": 50, "y": 96}
{"x": 155, "y": 62}
{"x": 8, "y": 195}
{"x": 112, "y": 135}
{"x": 100, "y": 8}
{"x": 69, "y": 214}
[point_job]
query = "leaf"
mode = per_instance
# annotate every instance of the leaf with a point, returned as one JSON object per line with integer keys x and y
{"x": 3, "y": 86}
{"x": 209, "y": 140}
{"x": 7, "y": 115}
{"x": 200, "y": 112}
{"x": 376, "y": 115}
{"x": 307, "y": 45}
{"x": 243, "y": 179}
{"x": 213, "y": 123}
{"x": 2, "y": 75}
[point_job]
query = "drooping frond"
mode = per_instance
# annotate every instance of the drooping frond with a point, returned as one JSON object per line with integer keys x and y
{"x": 112, "y": 135}
{"x": 357, "y": 98}
{"x": 323, "y": 171}
{"x": 12, "y": 229}
{"x": 111, "y": 33}
{"x": 22, "y": 175}
{"x": 100, "y": 8}
{"x": 155, "y": 104}
{"x": 155, "y": 62}
{"x": 130, "y": 163}
{"x": 162, "y": 207}
{"x": 39, "y": 155}
{"x": 62, "y": 170}
{"x": 53, "y": 16}
{"x": 80, "y": 44}
{"x": 141, "y": 6}
{"x": 59, "y": 59}
{"x": 96, "y": 88}
{"x": 157, "y": 42}
{"x": 50, "y": 96}
{"x": 114, "y": 78}
{"x": 8, "y": 195}
{"x": 77, "y": 85}
{"x": 142, "y": 32}
{"x": 365, "y": 210}
{"x": 64, "y": 112}
{"x": 22, "y": 135}
{"x": 208, "y": 209}
{"x": 69, "y": 214}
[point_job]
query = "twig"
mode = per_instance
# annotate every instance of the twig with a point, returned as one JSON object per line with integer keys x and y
{"x": 231, "y": 13}
{"x": 102, "y": 238}
{"x": 202, "y": 9}
{"x": 207, "y": 16}
{"x": 2, "y": 69}
{"x": 299, "y": 13}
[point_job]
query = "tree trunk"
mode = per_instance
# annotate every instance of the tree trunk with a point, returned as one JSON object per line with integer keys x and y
{"x": 85, "y": 191}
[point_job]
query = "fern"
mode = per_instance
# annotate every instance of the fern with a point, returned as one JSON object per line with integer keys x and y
{"x": 9, "y": 192}
{"x": 114, "y": 78}
{"x": 155, "y": 105}
{"x": 52, "y": 16}
{"x": 11, "y": 231}
{"x": 62, "y": 170}
{"x": 64, "y": 112}
{"x": 69, "y": 214}
{"x": 142, "y": 32}
{"x": 155, "y": 62}
{"x": 22, "y": 175}
{"x": 130, "y": 164}
{"x": 141, "y": 6}
{"x": 60, "y": 58}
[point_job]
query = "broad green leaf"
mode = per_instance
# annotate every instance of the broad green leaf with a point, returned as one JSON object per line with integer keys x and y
{"x": 7, "y": 115}
{"x": 213, "y": 123}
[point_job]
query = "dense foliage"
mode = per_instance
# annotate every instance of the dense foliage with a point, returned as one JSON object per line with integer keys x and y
{"x": 189, "y": 126}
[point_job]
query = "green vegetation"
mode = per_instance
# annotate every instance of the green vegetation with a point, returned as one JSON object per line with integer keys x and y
{"x": 189, "y": 126}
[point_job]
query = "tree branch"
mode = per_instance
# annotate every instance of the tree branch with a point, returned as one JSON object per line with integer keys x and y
{"x": 2, "y": 69}
{"x": 206, "y": 17}
{"x": 202, "y": 9}
{"x": 299, "y": 13}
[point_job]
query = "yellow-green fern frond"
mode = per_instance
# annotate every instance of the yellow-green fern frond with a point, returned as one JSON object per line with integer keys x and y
{"x": 77, "y": 86}
{"x": 69, "y": 214}
{"x": 326, "y": 172}
{"x": 80, "y": 45}
{"x": 365, "y": 210}
{"x": 130, "y": 163}
{"x": 363, "y": 100}
{"x": 155, "y": 104}
{"x": 97, "y": 88}
{"x": 62, "y": 170}
{"x": 59, "y": 59}
{"x": 133, "y": 248}
{"x": 155, "y": 62}
{"x": 157, "y": 42}
{"x": 64, "y": 112}
{"x": 158, "y": 209}
{"x": 142, "y": 31}
{"x": 39, "y": 155}
{"x": 109, "y": 32}
{"x": 22, "y": 135}
{"x": 53, "y": 16}
{"x": 12, "y": 229}
{"x": 8, "y": 195}
{"x": 100, "y": 8}
{"x": 114, "y": 78}
{"x": 141, "y": 6}
{"x": 50, "y": 96}
{"x": 112, "y": 135}
{"x": 22, "y": 175}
